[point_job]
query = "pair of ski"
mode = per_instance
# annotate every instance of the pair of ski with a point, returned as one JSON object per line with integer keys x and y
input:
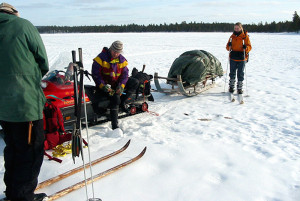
{"x": 95, "y": 178}
{"x": 239, "y": 97}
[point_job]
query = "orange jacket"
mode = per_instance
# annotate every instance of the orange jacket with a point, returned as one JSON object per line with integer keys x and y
{"x": 237, "y": 51}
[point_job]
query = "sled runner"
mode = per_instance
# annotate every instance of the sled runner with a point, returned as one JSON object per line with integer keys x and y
{"x": 180, "y": 87}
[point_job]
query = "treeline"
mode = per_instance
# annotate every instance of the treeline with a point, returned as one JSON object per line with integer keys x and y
{"x": 287, "y": 26}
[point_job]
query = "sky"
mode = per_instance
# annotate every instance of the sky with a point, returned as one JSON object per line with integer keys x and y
{"x": 117, "y": 12}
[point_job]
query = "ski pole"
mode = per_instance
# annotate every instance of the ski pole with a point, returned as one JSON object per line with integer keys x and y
{"x": 246, "y": 81}
{"x": 227, "y": 65}
{"x": 245, "y": 69}
{"x": 86, "y": 124}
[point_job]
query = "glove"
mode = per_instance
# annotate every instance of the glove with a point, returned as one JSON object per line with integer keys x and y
{"x": 119, "y": 90}
{"x": 244, "y": 47}
{"x": 230, "y": 44}
{"x": 107, "y": 88}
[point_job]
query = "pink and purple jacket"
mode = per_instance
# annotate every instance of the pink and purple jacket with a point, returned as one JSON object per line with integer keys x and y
{"x": 106, "y": 70}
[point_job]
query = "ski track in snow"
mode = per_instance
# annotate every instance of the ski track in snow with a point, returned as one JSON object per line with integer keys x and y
{"x": 247, "y": 152}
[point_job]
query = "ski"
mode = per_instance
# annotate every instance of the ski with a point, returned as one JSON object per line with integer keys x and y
{"x": 80, "y": 168}
{"x": 241, "y": 98}
{"x": 96, "y": 177}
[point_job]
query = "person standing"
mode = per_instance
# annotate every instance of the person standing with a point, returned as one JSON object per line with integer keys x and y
{"x": 239, "y": 46}
{"x": 110, "y": 74}
{"x": 23, "y": 63}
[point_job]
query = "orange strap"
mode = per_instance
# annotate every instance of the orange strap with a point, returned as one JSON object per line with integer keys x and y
{"x": 29, "y": 132}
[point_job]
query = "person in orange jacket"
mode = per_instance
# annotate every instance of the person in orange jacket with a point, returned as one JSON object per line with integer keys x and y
{"x": 239, "y": 46}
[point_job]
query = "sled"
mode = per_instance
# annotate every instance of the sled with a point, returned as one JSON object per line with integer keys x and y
{"x": 180, "y": 87}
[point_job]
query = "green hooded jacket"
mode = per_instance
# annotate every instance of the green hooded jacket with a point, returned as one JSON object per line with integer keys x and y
{"x": 23, "y": 63}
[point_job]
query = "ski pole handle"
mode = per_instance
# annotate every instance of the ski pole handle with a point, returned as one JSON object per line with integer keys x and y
{"x": 144, "y": 66}
{"x": 74, "y": 56}
{"x": 244, "y": 50}
{"x": 80, "y": 54}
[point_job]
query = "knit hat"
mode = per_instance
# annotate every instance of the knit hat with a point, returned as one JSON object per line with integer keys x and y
{"x": 8, "y": 8}
{"x": 117, "y": 46}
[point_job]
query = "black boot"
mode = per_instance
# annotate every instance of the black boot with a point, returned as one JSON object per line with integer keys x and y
{"x": 39, "y": 196}
{"x": 36, "y": 197}
{"x": 114, "y": 118}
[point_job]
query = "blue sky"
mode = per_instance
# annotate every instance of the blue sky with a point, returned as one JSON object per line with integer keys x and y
{"x": 102, "y": 12}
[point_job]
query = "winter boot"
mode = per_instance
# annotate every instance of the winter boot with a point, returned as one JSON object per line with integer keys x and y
{"x": 114, "y": 118}
{"x": 39, "y": 197}
{"x": 231, "y": 85}
{"x": 36, "y": 197}
{"x": 240, "y": 87}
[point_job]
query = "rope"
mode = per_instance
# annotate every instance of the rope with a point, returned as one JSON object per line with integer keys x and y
{"x": 88, "y": 141}
{"x": 150, "y": 112}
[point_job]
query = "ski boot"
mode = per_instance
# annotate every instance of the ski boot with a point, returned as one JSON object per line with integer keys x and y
{"x": 240, "y": 92}
{"x": 240, "y": 87}
{"x": 231, "y": 85}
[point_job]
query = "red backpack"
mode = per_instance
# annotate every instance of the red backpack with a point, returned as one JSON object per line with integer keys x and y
{"x": 55, "y": 133}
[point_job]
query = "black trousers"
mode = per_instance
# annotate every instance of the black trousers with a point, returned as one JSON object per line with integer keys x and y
{"x": 237, "y": 66}
{"x": 22, "y": 161}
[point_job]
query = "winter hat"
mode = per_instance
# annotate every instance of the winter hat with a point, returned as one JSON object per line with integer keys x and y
{"x": 8, "y": 9}
{"x": 117, "y": 46}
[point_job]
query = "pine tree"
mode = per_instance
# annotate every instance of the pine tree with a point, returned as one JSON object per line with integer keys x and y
{"x": 296, "y": 22}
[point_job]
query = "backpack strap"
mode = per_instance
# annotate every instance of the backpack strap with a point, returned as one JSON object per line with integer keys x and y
{"x": 52, "y": 158}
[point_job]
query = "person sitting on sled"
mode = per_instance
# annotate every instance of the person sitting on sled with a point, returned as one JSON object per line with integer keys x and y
{"x": 110, "y": 74}
{"x": 239, "y": 46}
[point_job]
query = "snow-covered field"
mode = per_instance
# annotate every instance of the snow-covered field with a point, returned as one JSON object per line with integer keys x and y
{"x": 247, "y": 152}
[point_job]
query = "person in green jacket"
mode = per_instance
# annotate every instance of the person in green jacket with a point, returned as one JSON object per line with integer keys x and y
{"x": 23, "y": 63}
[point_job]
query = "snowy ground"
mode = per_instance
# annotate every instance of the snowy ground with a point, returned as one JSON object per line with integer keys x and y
{"x": 247, "y": 152}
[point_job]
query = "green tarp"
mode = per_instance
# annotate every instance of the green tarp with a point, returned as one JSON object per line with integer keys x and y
{"x": 195, "y": 65}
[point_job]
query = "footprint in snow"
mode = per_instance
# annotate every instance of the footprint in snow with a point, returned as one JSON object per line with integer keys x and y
{"x": 214, "y": 178}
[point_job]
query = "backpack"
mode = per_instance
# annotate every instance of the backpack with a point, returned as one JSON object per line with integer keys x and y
{"x": 54, "y": 130}
{"x": 144, "y": 80}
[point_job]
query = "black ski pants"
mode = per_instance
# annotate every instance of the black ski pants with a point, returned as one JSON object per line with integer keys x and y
{"x": 22, "y": 161}
{"x": 237, "y": 67}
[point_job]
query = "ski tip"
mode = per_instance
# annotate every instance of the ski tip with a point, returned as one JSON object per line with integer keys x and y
{"x": 127, "y": 144}
{"x": 143, "y": 152}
